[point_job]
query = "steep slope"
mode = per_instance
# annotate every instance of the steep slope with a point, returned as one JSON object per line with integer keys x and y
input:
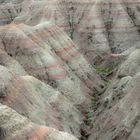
{"x": 72, "y": 65}
{"x": 16, "y": 127}
{"x": 45, "y": 52}
{"x": 118, "y": 115}
{"x": 99, "y": 27}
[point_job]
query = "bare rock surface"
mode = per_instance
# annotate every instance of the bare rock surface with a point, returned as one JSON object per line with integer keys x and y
{"x": 71, "y": 66}
{"x": 17, "y": 127}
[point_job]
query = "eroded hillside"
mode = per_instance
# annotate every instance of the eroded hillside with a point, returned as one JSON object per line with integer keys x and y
{"x": 71, "y": 66}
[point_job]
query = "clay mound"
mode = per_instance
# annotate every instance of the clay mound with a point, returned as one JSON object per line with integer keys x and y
{"x": 17, "y": 127}
{"x": 118, "y": 115}
{"x": 34, "y": 99}
{"x": 131, "y": 66}
{"x": 19, "y": 95}
{"x": 34, "y": 51}
{"x": 11, "y": 64}
{"x": 9, "y": 10}
{"x": 120, "y": 120}
{"x": 62, "y": 65}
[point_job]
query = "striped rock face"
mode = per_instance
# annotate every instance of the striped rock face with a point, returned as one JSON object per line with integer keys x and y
{"x": 17, "y": 127}
{"x": 96, "y": 24}
{"x": 38, "y": 102}
{"x": 71, "y": 66}
{"x": 43, "y": 75}
{"x": 11, "y": 64}
{"x": 101, "y": 27}
{"x": 120, "y": 111}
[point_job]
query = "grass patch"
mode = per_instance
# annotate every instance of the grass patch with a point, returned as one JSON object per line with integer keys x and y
{"x": 89, "y": 119}
{"x": 104, "y": 71}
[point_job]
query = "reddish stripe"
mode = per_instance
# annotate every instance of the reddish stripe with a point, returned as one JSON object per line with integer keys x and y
{"x": 65, "y": 50}
{"x": 39, "y": 133}
{"x": 54, "y": 76}
{"x": 67, "y": 27}
{"x": 58, "y": 76}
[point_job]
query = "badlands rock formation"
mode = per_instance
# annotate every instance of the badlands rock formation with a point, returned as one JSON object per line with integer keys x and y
{"x": 69, "y": 70}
